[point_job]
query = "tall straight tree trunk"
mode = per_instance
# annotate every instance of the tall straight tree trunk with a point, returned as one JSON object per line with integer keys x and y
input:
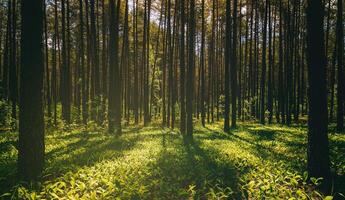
{"x": 164, "y": 61}
{"x": 263, "y": 70}
{"x": 340, "y": 54}
{"x": 13, "y": 86}
{"x": 173, "y": 67}
{"x": 64, "y": 86}
{"x": 126, "y": 64}
{"x": 270, "y": 70}
{"x": 190, "y": 71}
{"x": 168, "y": 62}
{"x": 251, "y": 64}
{"x": 104, "y": 61}
{"x": 281, "y": 66}
{"x": 211, "y": 60}
{"x": 114, "y": 102}
{"x": 6, "y": 53}
{"x": 82, "y": 65}
{"x": 47, "y": 92}
{"x": 95, "y": 85}
{"x": 88, "y": 62}
{"x": 68, "y": 88}
{"x": 79, "y": 66}
{"x": 143, "y": 62}
{"x": 202, "y": 65}
{"x": 136, "y": 73}
{"x": 256, "y": 63}
{"x": 233, "y": 68}
{"x": 182, "y": 69}
{"x": 332, "y": 83}
{"x": 146, "y": 62}
{"x": 287, "y": 65}
{"x": 55, "y": 60}
{"x": 227, "y": 69}
{"x": 318, "y": 149}
{"x": 31, "y": 123}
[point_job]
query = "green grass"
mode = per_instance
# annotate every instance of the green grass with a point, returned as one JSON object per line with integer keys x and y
{"x": 253, "y": 162}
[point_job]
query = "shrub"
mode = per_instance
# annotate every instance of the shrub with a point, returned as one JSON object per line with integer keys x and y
{"x": 5, "y": 114}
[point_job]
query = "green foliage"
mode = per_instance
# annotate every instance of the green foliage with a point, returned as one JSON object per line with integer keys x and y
{"x": 253, "y": 162}
{"x": 6, "y": 120}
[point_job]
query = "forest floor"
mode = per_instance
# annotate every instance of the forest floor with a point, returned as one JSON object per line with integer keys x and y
{"x": 252, "y": 162}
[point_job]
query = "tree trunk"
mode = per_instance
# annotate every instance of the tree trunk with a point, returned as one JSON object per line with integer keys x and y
{"x": 340, "y": 55}
{"x": 13, "y": 87}
{"x": 190, "y": 70}
{"x": 227, "y": 69}
{"x": 233, "y": 67}
{"x": 318, "y": 150}
{"x": 114, "y": 102}
{"x": 31, "y": 123}
{"x": 263, "y": 70}
{"x": 182, "y": 70}
{"x": 47, "y": 92}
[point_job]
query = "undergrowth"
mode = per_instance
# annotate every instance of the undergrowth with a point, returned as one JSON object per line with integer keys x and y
{"x": 252, "y": 162}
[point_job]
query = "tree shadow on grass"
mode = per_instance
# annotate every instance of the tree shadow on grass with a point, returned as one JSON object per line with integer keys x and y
{"x": 98, "y": 141}
{"x": 184, "y": 169}
{"x": 96, "y": 147}
{"x": 86, "y": 150}
{"x": 294, "y": 144}
{"x": 265, "y": 152}
{"x": 264, "y": 134}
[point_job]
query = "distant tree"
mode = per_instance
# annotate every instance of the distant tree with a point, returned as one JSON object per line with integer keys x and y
{"x": 227, "y": 69}
{"x": 270, "y": 64}
{"x": 104, "y": 60}
{"x": 202, "y": 64}
{"x": 6, "y": 56}
{"x": 135, "y": 62}
{"x": 13, "y": 81}
{"x": 233, "y": 67}
{"x": 95, "y": 78}
{"x": 55, "y": 61}
{"x": 146, "y": 61}
{"x": 46, "y": 59}
{"x": 65, "y": 70}
{"x": 190, "y": 70}
{"x": 341, "y": 77}
{"x": 263, "y": 63}
{"x": 114, "y": 102}
{"x": 82, "y": 73}
{"x": 182, "y": 69}
{"x": 281, "y": 102}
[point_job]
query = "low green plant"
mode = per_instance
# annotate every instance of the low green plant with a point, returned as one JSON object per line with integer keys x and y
{"x": 252, "y": 162}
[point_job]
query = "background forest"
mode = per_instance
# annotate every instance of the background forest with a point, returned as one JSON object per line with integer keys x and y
{"x": 172, "y": 99}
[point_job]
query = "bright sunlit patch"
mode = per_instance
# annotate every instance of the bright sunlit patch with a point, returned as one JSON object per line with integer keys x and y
{"x": 253, "y": 162}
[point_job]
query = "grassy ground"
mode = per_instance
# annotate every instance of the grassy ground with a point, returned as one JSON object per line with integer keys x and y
{"x": 253, "y": 162}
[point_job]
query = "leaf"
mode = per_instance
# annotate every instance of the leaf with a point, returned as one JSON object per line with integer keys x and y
{"x": 305, "y": 176}
{"x": 328, "y": 198}
{"x": 5, "y": 195}
{"x": 55, "y": 195}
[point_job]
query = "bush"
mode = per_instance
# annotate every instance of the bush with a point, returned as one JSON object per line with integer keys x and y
{"x": 5, "y": 114}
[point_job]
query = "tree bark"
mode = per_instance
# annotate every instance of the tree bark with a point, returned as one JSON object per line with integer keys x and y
{"x": 227, "y": 69}
{"x": 340, "y": 55}
{"x": 318, "y": 150}
{"x": 190, "y": 70}
{"x": 114, "y": 102}
{"x": 31, "y": 123}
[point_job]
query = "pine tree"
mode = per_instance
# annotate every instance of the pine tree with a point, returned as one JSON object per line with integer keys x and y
{"x": 31, "y": 123}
